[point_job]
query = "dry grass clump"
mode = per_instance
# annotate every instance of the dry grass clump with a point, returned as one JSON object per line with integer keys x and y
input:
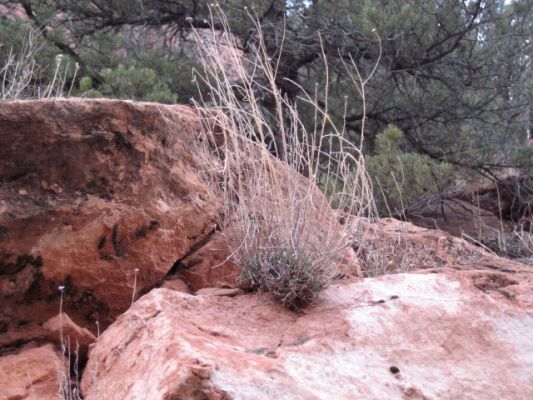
{"x": 382, "y": 253}
{"x": 283, "y": 231}
{"x": 291, "y": 277}
{"x": 20, "y": 73}
{"x": 384, "y": 256}
{"x": 517, "y": 244}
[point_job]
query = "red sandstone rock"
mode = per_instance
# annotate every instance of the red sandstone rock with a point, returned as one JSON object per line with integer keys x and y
{"x": 176, "y": 283}
{"x": 99, "y": 196}
{"x": 457, "y": 216}
{"x": 209, "y": 266}
{"x": 72, "y": 338}
{"x": 419, "y": 336}
{"x": 90, "y": 190}
{"x": 34, "y": 373}
{"x": 66, "y": 334}
{"x": 219, "y": 292}
{"x": 438, "y": 249}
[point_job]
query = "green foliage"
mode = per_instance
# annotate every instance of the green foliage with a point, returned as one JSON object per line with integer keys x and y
{"x": 86, "y": 84}
{"x": 11, "y": 37}
{"x": 522, "y": 157}
{"x": 29, "y": 66}
{"x": 402, "y": 179}
{"x": 454, "y": 76}
{"x": 291, "y": 277}
{"x": 131, "y": 82}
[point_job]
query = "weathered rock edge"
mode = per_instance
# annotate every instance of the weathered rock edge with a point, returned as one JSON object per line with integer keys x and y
{"x": 90, "y": 191}
{"x": 407, "y": 336}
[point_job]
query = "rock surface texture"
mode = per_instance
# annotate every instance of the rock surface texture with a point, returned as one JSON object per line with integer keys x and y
{"x": 407, "y": 336}
{"x": 107, "y": 199}
{"x": 458, "y": 216}
{"x": 62, "y": 331}
{"x": 89, "y": 192}
{"x": 209, "y": 266}
{"x": 481, "y": 211}
{"x": 34, "y": 373}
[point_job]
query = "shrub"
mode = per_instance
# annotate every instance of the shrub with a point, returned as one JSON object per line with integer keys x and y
{"x": 293, "y": 278}
{"x": 401, "y": 180}
{"x": 131, "y": 82}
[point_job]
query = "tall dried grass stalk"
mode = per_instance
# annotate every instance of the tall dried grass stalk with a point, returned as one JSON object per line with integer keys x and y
{"x": 20, "y": 72}
{"x": 284, "y": 232}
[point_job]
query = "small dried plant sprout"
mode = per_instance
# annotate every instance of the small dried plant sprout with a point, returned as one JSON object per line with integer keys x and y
{"x": 283, "y": 231}
{"x": 68, "y": 373}
{"x": 136, "y": 272}
{"x": 61, "y": 289}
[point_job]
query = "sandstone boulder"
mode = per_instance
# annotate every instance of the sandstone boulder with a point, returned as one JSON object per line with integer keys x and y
{"x": 457, "y": 216}
{"x": 105, "y": 198}
{"x": 92, "y": 191}
{"x": 66, "y": 334}
{"x": 209, "y": 266}
{"x": 60, "y": 330}
{"x": 436, "y": 250}
{"x": 510, "y": 197}
{"x": 34, "y": 373}
{"x": 406, "y": 336}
